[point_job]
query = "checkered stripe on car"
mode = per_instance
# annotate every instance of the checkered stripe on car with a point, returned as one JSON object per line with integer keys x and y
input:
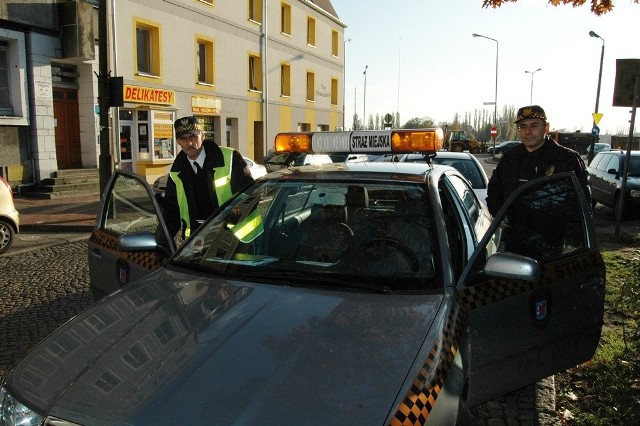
{"x": 494, "y": 290}
{"x": 109, "y": 242}
{"x": 421, "y": 397}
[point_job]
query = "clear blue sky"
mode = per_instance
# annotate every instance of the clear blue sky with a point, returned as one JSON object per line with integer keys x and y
{"x": 423, "y": 61}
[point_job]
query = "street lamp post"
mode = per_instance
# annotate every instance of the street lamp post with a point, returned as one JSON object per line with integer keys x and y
{"x": 495, "y": 98}
{"x": 596, "y": 136}
{"x": 532, "y": 73}
{"x": 364, "y": 101}
{"x": 344, "y": 82}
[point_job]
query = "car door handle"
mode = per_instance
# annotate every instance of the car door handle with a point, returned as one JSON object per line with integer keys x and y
{"x": 96, "y": 254}
{"x": 592, "y": 282}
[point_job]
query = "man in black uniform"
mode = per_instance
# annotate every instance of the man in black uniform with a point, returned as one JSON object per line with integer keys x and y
{"x": 202, "y": 177}
{"x": 536, "y": 230}
{"x": 537, "y": 156}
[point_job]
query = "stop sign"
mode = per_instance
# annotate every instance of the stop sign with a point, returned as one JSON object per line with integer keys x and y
{"x": 494, "y": 132}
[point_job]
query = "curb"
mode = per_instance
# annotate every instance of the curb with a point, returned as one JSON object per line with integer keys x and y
{"x": 546, "y": 403}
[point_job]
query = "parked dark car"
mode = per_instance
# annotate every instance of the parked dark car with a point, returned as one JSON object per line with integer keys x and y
{"x": 605, "y": 180}
{"x": 502, "y": 147}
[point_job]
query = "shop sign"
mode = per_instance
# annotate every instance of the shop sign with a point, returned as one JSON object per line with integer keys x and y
{"x": 148, "y": 95}
{"x": 205, "y": 105}
{"x": 162, "y": 131}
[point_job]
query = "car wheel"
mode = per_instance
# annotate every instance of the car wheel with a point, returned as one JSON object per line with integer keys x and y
{"x": 6, "y": 235}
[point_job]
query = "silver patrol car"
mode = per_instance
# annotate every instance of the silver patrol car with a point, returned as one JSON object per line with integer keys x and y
{"x": 344, "y": 293}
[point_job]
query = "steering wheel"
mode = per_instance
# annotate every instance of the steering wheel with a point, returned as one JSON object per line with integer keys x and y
{"x": 399, "y": 247}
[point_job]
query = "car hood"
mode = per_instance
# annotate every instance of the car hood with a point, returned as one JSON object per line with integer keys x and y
{"x": 179, "y": 348}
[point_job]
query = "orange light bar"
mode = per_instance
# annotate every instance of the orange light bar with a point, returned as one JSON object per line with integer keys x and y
{"x": 293, "y": 142}
{"x": 418, "y": 140}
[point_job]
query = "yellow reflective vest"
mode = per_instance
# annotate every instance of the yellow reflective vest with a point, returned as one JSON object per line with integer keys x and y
{"x": 221, "y": 184}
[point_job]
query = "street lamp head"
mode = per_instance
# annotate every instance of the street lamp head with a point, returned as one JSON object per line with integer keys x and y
{"x": 593, "y": 34}
{"x": 475, "y": 35}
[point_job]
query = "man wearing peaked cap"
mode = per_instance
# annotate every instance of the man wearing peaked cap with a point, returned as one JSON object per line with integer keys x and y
{"x": 538, "y": 155}
{"x": 202, "y": 177}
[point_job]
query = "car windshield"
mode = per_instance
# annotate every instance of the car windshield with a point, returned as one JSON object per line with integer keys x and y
{"x": 342, "y": 236}
{"x": 634, "y": 166}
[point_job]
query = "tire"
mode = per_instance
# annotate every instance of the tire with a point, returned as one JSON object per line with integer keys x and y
{"x": 6, "y": 235}
{"x": 457, "y": 148}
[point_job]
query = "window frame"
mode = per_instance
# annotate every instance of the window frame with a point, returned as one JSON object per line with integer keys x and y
{"x": 153, "y": 53}
{"x": 335, "y": 49}
{"x": 285, "y": 80}
{"x": 285, "y": 18}
{"x": 311, "y": 87}
{"x": 255, "y": 73}
{"x": 311, "y": 31}
{"x": 255, "y": 11}
{"x": 208, "y": 77}
{"x": 334, "y": 92}
{"x": 15, "y": 113}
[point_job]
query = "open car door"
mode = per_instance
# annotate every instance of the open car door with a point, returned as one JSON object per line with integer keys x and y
{"x": 128, "y": 205}
{"x": 522, "y": 330}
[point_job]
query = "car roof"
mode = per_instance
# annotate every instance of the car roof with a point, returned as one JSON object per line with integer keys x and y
{"x": 389, "y": 171}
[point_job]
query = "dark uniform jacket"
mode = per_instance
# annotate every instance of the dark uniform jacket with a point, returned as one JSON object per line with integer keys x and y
{"x": 199, "y": 190}
{"x": 519, "y": 165}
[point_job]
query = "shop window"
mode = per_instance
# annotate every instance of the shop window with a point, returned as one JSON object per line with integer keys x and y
{"x": 5, "y": 93}
{"x": 285, "y": 80}
{"x": 285, "y": 19}
{"x": 163, "y": 143}
{"x": 147, "y": 49}
{"x": 255, "y": 11}
{"x": 255, "y": 73}
{"x": 311, "y": 31}
{"x": 334, "y": 91}
{"x": 205, "y": 61}
{"x": 334, "y": 43}
{"x": 311, "y": 86}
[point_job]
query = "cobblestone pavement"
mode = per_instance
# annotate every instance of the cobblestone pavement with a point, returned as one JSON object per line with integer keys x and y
{"x": 39, "y": 291}
{"x": 42, "y": 288}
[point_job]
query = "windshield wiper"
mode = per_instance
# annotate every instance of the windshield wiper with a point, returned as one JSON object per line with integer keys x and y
{"x": 293, "y": 278}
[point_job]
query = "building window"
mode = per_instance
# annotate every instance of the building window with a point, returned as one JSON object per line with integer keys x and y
{"x": 204, "y": 61}
{"x": 285, "y": 18}
{"x": 285, "y": 80}
{"x": 311, "y": 86}
{"x": 334, "y": 43}
{"x": 334, "y": 91}
{"x": 255, "y": 73}
{"x": 311, "y": 31}
{"x": 5, "y": 93}
{"x": 13, "y": 79}
{"x": 147, "y": 49}
{"x": 255, "y": 11}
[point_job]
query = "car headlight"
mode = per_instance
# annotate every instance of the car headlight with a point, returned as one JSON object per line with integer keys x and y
{"x": 13, "y": 412}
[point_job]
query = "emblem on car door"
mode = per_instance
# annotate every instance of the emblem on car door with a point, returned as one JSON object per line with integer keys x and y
{"x": 540, "y": 305}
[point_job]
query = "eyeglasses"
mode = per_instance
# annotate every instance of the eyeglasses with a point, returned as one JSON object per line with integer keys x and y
{"x": 532, "y": 126}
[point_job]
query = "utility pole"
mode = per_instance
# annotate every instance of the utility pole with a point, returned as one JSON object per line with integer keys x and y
{"x": 105, "y": 162}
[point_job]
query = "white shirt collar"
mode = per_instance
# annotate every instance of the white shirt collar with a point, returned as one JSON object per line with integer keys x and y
{"x": 199, "y": 160}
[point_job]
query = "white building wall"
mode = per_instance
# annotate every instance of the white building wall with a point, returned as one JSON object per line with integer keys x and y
{"x": 42, "y": 128}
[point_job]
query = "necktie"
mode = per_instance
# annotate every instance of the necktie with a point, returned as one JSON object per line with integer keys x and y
{"x": 198, "y": 168}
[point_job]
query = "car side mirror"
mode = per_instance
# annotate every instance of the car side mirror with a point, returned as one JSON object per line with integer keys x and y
{"x": 141, "y": 241}
{"x": 512, "y": 266}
